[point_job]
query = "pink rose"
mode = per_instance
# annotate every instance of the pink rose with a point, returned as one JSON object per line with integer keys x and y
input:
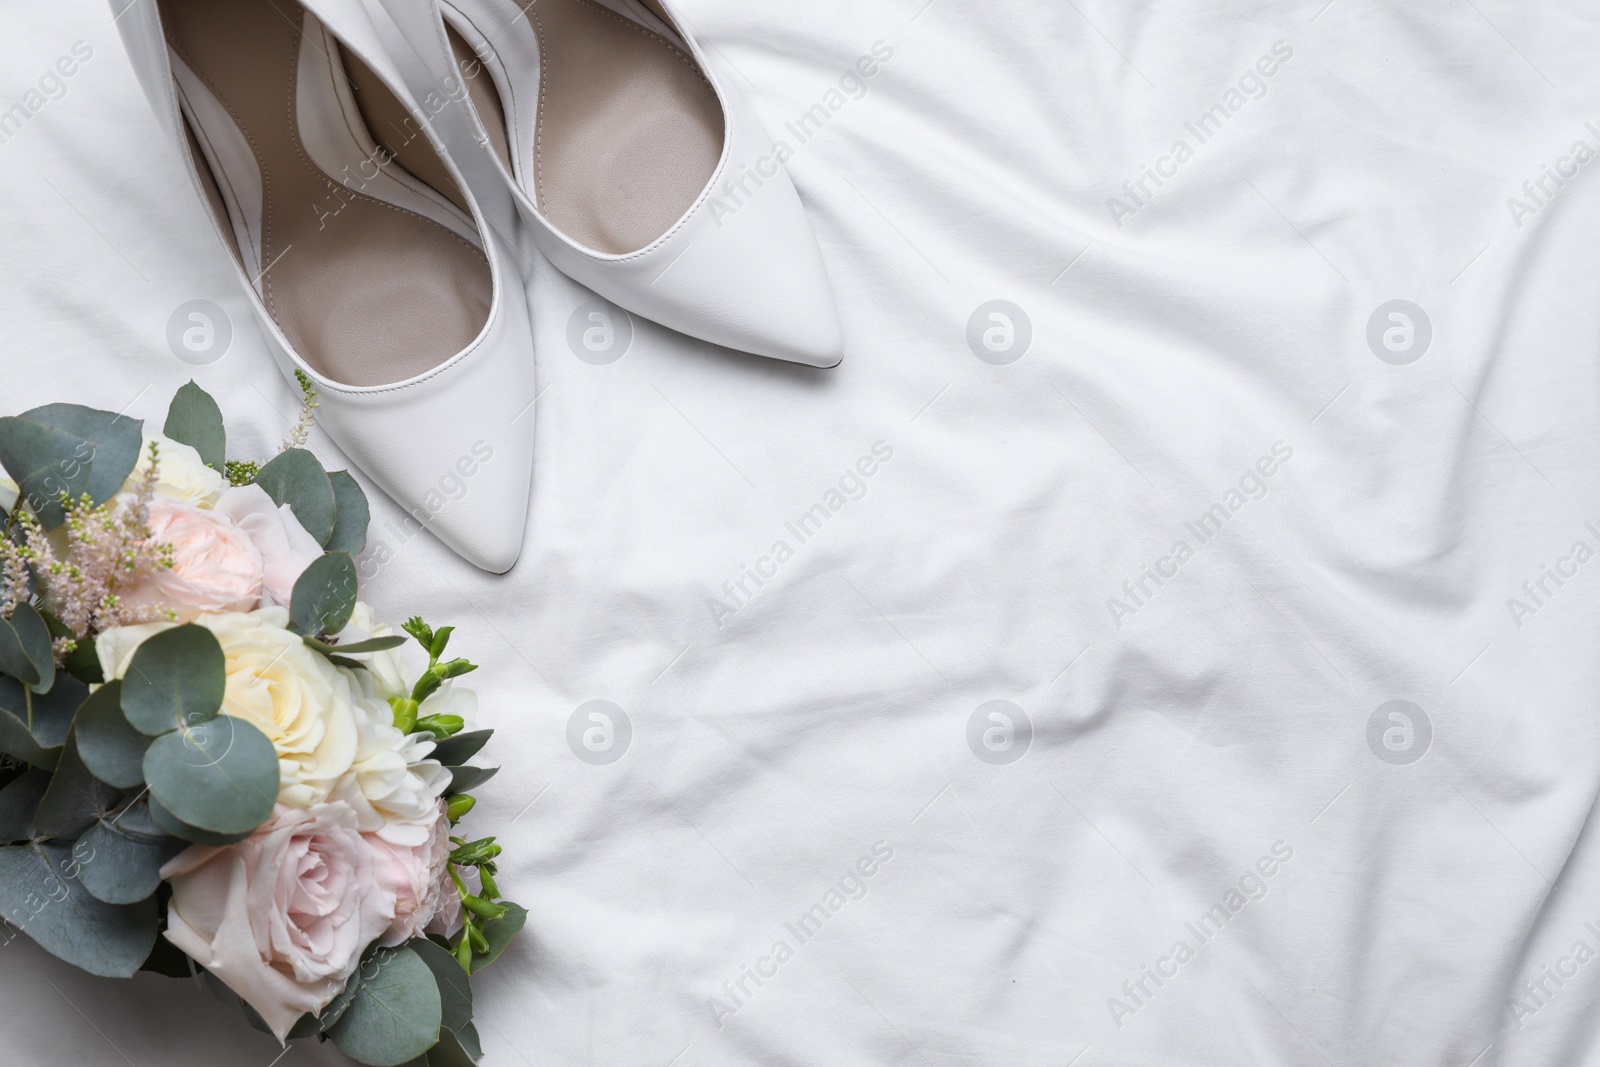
{"x": 425, "y": 897}
{"x": 283, "y": 916}
{"x": 446, "y": 922}
{"x": 215, "y": 567}
{"x": 286, "y": 549}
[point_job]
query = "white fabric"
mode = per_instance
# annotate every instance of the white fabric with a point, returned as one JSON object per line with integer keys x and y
{"x": 1227, "y": 716}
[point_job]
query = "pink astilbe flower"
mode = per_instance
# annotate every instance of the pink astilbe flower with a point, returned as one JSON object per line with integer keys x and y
{"x": 13, "y": 574}
{"x": 107, "y": 548}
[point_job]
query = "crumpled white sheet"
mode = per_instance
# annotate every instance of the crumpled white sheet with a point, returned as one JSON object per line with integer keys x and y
{"x": 1172, "y": 505}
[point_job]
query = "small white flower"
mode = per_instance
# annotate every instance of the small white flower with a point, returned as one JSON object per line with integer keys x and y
{"x": 387, "y": 668}
{"x": 181, "y": 474}
{"x": 392, "y": 784}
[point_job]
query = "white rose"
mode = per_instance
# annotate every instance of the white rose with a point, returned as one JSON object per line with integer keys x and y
{"x": 180, "y": 474}
{"x": 301, "y": 702}
{"x": 8, "y": 494}
{"x": 392, "y": 785}
{"x": 387, "y": 668}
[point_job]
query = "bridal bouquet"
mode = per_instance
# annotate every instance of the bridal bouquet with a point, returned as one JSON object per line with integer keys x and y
{"x": 214, "y": 762}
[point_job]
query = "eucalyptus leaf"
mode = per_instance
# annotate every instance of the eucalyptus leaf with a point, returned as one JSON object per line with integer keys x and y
{"x": 15, "y": 740}
{"x": 175, "y": 826}
{"x": 74, "y": 801}
{"x": 305, "y": 1026}
{"x": 34, "y": 637}
{"x": 294, "y": 477}
{"x": 456, "y": 750}
{"x": 466, "y": 779}
{"x": 352, "y": 514}
{"x": 67, "y": 448}
{"x": 14, "y": 659}
{"x": 107, "y": 742}
{"x": 52, "y": 711}
{"x": 40, "y": 895}
{"x": 467, "y": 1037}
{"x": 136, "y": 820}
{"x": 82, "y": 662}
{"x": 33, "y": 726}
{"x": 371, "y": 644}
{"x": 449, "y": 1052}
{"x": 220, "y": 776}
{"x": 18, "y": 801}
{"x": 176, "y": 679}
{"x": 218, "y": 988}
{"x": 194, "y": 419}
{"x": 455, "y": 990}
{"x": 394, "y": 1016}
{"x": 121, "y": 867}
{"x": 499, "y": 933}
{"x": 324, "y": 596}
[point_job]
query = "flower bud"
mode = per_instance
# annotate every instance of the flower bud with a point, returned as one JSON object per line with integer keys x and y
{"x": 441, "y": 726}
{"x": 405, "y": 714}
{"x": 479, "y": 906}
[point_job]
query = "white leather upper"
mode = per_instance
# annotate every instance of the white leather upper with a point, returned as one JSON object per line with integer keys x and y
{"x": 474, "y": 411}
{"x": 741, "y": 268}
{"x": 337, "y": 139}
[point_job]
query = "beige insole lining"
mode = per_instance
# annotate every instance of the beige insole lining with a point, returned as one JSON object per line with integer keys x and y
{"x": 367, "y": 293}
{"x": 629, "y": 130}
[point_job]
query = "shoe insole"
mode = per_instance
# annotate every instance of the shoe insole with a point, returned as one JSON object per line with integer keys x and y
{"x": 366, "y": 292}
{"x": 629, "y": 131}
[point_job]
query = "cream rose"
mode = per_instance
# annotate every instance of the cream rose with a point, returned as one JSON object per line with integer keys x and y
{"x": 283, "y": 916}
{"x": 304, "y": 704}
{"x": 180, "y": 473}
{"x": 9, "y": 492}
{"x": 286, "y": 549}
{"x": 215, "y": 567}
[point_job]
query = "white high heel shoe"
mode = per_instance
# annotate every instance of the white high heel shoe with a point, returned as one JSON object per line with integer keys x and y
{"x": 369, "y": 253}
{"x": 642, "y": 173}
